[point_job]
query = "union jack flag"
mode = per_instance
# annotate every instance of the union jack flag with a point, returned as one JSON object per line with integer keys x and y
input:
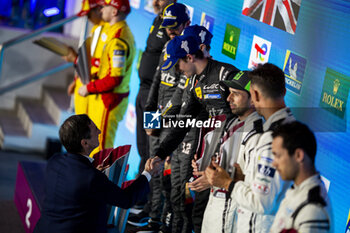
{"x": 282, "y": 14}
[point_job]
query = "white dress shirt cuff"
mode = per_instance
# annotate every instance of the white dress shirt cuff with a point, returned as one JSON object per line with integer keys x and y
{"x": 148, "y": 176}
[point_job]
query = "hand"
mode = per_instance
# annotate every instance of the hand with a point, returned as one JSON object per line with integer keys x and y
{"x": 217, "y": 176}
{"x": 153, "y": 168}
{"x": 71, "y": 56}
{"x": 156, "y": 160}
{"x": 71, "y": 87}
{"x": 239, "y": 176}
{"x": 194, "y": 164}
{"x": 83, "y": 91}
{"x": 152, "y": 132}
{"x": 100, "y": 167}
{"x": 167, "y": 160}
{"x": 201, "y": 183}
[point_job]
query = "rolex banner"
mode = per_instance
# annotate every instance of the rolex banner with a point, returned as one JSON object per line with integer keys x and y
{"x": 229, "y": 47}
{"x": 335, "y": 92}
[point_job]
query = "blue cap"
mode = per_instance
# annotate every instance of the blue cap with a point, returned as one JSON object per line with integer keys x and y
{"x": 178, "y": 48}
{"x": 174, "y": 15}
{"x": 200, "y": 33}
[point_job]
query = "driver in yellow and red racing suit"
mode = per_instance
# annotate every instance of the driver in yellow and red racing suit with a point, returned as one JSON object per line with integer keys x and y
{"x": 91, "y": 9}
{"x": 108, "y": 93}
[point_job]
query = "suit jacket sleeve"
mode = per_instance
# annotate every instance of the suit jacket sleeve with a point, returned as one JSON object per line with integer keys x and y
{"x": 103, "y": 189}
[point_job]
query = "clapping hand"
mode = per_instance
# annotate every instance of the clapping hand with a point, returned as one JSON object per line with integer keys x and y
{"x": 201, "y": 182}
{"x": 217, "y": 176}
{"x": 195, "y": 164}
{"x": 239, "y": 176}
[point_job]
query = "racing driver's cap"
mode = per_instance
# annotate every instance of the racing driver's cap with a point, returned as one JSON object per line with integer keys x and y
{"x": 178, "y": 48}
{"x": 121, "y": 5}
{"x": 240, "y": 81}
{"x": 200, "y": 33}
{"x": 86, "y": 6}
{"x": 174, "y": 15}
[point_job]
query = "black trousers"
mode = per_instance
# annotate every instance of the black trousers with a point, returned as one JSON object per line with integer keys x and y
{"x": 181, "y": 172}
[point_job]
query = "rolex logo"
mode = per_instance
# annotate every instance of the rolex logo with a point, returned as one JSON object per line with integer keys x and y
{"x": 336, "y": 86}
{"x": 230, "y": 43}
{"x": 335, "y": 93}
{"x": 232, "y": 34}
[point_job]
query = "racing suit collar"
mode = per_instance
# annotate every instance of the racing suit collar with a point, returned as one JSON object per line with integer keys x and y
{"x": 251, "y": 118}
{"x": 205, "y": 71}
{"x": 280, "y": 114}
{"x": 117, "y": 24}
{"x": 315, "y": 179}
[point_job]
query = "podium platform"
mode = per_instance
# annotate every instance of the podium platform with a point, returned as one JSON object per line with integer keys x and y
{"x": 29, "y": 192}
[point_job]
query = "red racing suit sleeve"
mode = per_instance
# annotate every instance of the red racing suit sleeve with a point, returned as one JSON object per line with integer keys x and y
{"x": 106, "y": 84}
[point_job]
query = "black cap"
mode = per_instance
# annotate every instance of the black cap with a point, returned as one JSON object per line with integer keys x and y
{"x": 240, "y": 81}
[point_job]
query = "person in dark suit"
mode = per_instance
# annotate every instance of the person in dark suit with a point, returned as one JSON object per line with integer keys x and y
{"x": 77, "y": 193}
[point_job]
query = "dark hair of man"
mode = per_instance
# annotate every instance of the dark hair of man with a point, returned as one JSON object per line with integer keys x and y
{"x": 207, "y": 47}
{"x": 270, "y": 79}
{"x": 199, "y": 54}
{"x": 73, "y": 130}
{"x": 297, "y": 135}
{"x": 181, "y": 24}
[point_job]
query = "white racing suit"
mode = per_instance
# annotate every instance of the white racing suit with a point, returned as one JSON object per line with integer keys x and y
{"x": 219, "y": 213}
{"x": 260, "y": 194}
{"x": 305, "y": 208}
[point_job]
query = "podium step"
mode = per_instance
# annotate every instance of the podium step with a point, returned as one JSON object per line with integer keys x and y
{"x": 29, "y": 192}
{"x": 34, "y": 121}
{"x": 57, "y": 103}
{"x": 10, "y": 127}
{"x": 35, "y": 110}
{"x": 11, "y": 124}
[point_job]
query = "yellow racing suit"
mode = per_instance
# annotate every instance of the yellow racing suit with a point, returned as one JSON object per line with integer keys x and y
{"x": 80, "y": 102}
{"x": 108, "y": 97}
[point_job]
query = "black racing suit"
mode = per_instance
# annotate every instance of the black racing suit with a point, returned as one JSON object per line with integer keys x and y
{"x": 205, "y": 97}
{"x": 148, "y": 64}
{"x": 163, "y": 87}
{"x": 205, "y": 94}
{"x": 181, "y": 169}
